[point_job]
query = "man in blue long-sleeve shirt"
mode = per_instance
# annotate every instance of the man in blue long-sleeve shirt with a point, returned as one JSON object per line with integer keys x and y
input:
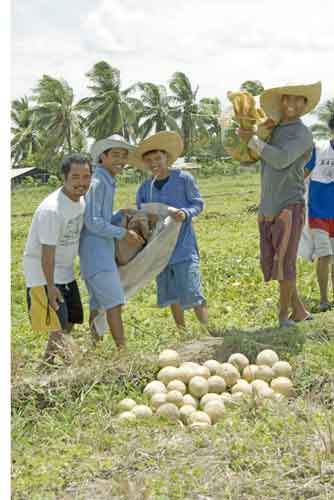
{"x": 179, "y": 284}
{"x": 97, "y": 244}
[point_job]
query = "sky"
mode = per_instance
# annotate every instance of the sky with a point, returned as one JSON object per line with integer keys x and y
{"x": 217, "y": 43}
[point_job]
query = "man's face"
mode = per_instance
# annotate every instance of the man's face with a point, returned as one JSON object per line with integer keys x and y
{"x": 292, "y": 106}
{"x": 78, "y": 179}
{"x": 156, "y": 162}
{"x": 115, "y": 160}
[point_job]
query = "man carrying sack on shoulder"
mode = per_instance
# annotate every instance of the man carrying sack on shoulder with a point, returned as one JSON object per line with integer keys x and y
{"x": 282, "y": 206}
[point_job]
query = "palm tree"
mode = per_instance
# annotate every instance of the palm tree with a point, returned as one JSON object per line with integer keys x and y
{"x": 26, "y": 137}
{"x": 254, "y": 87}
{"x": 110, "y": 109}
{"x": 210, "y": 111}
{"x": 186, "y": 108}
{"x": 210, "y": 125}
{"x": 324, "y": 112}
{"x": 154, "y": 112}
{"x": 56, "y": 114}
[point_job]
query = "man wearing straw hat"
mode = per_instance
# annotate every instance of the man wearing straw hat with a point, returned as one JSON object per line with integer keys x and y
{"x": 97, "y": 245}
{"x": 282, "y": 207}
{"x": 179, "y": 284}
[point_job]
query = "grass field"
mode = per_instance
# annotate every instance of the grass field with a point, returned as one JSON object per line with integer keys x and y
{"x": 66, "y": 443}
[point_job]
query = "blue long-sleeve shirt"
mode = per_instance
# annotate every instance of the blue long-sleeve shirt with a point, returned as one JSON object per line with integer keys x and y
{"x": 97, "y": 242}
{"x": 181, "y": 192}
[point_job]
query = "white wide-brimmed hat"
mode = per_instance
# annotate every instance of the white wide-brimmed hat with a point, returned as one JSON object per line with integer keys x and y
{"x": 271, "y": 99}
{"x": 171, "y": 142}
{"x": 114, "y": 141}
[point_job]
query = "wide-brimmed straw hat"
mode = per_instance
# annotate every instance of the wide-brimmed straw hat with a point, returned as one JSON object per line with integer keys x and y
{"x": 114, "y": 141}
{"x": 170, "y": 142}
{"x": 271, "y": 99}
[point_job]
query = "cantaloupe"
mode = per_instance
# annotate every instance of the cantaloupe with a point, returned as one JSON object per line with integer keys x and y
{"x": 264, "y": 372}
{"x": 215, "y": 410}
{"x": 175, "y": 397}
{"x": 242, "y": 386}
{"x": 185, "y": 412}
{"x": 213, "y": 366}
{"x": 282, "y": 385}
{"x": 229, "y": 373}
{"x": 216, "y": 384}
{"x": 167, "y": 374}
{"x": 282, "y": 369}
{"x": 199, "y": 416}
{"x": 168, "y": 410}
{"x": 267, "y": 357}
{"x": 126, "y": 405}
{"x": 198, "y": 386}
{"x": 168, "y": 357}
{"x": 177, "y": 385}
{"x": 249, "y": 373}
{"x": 240, "y": 361}
{"x": 188, "y": 399}
{"x": 141, "y": 411}
{"x": 126, "y": 415}
{"x": 154, "y": 387}
{"x": 158, "y": 399}
{"x": 209, "y": 397}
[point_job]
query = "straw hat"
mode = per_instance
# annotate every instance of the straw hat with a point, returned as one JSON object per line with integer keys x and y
{"x": 170, "y": 142}
{"x": 114, "y": 141}
{"x": 271, "y": 99}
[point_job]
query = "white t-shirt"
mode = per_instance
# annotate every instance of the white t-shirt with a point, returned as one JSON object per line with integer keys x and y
{"x": 57, "y": 222}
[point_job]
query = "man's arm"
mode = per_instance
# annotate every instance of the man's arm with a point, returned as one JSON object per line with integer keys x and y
{"x": 94, "y": 220}
{"x": 311, "y": 164}
{"x": 281, "y": 157}
{"x": 196, "y": 203}
{"x": 48, "y": 266}
{"x": 49, "y": 230}
{"x": 140, "y": 198}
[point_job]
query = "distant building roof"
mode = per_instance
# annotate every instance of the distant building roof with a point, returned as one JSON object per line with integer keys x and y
{"x": 16, "y": 172}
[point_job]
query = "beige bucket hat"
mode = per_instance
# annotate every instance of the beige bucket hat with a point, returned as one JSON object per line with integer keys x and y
{"x": 114, "y": 141}
{"x": 270, "y": 99}
{"x": 171, "y": 142}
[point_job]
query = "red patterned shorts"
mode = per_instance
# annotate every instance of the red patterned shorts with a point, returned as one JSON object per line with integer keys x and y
{"x": 279, "y": 240}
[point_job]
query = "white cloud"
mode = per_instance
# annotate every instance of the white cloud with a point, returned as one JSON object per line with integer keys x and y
{"x": 217, "y": 43}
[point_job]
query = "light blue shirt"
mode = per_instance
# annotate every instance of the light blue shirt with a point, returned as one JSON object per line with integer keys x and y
{"x": 97, "y": 242}
{"x": 180, "y": 191}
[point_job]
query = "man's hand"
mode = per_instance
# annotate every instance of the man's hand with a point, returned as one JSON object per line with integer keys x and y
{"x": 55, "y": 297}
{"x": 128, "y": 211}
{"x": 177, "y": 214}
{"x": 245, "y": 134}
{"x": 132, "y": 238}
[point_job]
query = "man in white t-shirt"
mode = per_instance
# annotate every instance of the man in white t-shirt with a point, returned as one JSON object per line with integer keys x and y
{"x": 52, "y": 293}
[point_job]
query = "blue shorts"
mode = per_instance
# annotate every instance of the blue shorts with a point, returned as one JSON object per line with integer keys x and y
{"x": 180, "y": 284}
{"x": 105, "y": 290}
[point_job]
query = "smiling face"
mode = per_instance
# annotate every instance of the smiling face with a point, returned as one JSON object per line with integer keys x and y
{"x": 292, "y": 107}
{"x": 114, "y": 160}
{"x": 157, "y": 163}
{"x": 77, "y": 180}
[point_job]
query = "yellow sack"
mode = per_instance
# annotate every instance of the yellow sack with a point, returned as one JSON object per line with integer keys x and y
{"x": 246, "y": 115}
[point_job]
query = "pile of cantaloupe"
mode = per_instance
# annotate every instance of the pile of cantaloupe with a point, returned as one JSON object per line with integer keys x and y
{"x": 199, "y": 394}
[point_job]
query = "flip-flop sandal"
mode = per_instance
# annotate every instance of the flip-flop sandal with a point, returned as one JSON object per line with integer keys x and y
{"x": 309, "y": 317}
{"x": 286, "y": 323}
{"x": 324, "y": 307}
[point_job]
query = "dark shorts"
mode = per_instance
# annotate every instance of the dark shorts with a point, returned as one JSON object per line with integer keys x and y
{"x": 44, "y": 318}
{"x": 279, "y": 240}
